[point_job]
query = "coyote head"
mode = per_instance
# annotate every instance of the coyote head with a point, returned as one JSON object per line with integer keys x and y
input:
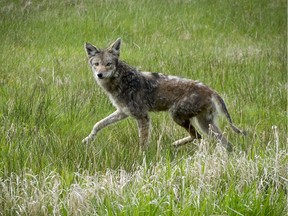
{"x": 103, "y": 61}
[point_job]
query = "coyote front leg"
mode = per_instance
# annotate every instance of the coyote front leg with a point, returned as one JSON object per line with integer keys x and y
{"x": 144, "y": 130}
{"x": 113, "y": 118}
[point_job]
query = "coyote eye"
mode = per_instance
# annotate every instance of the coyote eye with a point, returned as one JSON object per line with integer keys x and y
{"x": 96, "y": 63}
{"x": 109, "y": 64}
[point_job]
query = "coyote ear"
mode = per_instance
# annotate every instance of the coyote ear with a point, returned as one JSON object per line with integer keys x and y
{"x": 115, "y": 47}
{"x": 90, "y": 49}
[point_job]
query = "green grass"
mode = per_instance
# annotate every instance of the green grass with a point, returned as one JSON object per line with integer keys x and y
{"x": 49, "y": 103}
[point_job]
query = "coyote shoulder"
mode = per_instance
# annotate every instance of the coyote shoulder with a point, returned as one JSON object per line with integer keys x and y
{"x": 136, "y": 93}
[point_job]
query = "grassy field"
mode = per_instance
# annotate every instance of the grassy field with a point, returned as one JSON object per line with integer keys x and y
{"x": 49, "y": 103}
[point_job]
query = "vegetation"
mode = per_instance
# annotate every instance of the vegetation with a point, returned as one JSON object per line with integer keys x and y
{"x": 49, "y": 103}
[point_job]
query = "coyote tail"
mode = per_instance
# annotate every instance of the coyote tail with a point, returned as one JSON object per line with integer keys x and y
{"x": 223, "y": 109}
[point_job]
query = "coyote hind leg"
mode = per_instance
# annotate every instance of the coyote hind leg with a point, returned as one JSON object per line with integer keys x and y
{"x": 208, "y": 125}
{"x": 188, "y": 127}
{"x": 182, "y": 141}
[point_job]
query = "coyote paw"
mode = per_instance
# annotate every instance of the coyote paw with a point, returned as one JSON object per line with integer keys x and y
{"x": 182, "y": 141}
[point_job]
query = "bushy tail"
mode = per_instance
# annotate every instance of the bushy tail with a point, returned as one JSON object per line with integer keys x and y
{"x": 222, "y": 107}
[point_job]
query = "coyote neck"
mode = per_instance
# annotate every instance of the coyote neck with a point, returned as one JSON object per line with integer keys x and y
{"x": 124, "y": 86}
{"x": 124, "y": 77}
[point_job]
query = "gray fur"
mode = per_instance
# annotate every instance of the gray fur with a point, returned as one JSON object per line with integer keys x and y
{"x": 136, "y": 93}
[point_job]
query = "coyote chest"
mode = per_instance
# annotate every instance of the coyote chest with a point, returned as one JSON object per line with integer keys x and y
{"x": 131, "y": 91}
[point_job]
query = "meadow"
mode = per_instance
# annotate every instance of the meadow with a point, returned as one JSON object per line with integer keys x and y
{"x": 49, "y": 102}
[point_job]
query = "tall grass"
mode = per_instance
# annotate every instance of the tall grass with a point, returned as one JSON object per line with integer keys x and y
{"x": 203, "y": 184}
{"x": 49, "y": 103}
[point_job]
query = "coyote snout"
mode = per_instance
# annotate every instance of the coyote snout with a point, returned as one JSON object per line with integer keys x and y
{"x": 136, "y": 93}
{"x": 100, "y": 75}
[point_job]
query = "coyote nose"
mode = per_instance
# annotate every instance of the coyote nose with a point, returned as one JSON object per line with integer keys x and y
{"x": 100, "y": 75}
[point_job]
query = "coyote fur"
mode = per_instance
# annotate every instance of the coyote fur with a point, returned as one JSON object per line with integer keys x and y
{"x": 135, "y": 93}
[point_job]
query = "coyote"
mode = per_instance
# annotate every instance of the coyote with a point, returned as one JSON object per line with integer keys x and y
{"x": 135, "y": 93}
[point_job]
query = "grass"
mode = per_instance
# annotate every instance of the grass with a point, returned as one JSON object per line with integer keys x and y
{"x": 49, "y": 103}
